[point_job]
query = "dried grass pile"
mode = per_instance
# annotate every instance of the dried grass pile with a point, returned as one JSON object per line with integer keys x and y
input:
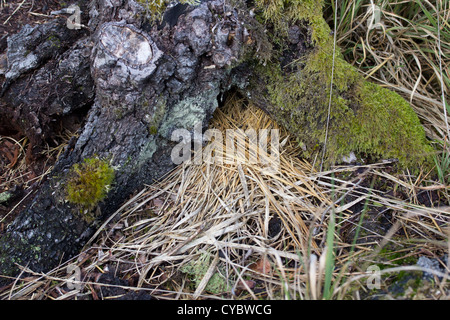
{"x": 237, "y": 214}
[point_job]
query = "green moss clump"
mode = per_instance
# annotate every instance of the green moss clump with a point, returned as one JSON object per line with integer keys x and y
{"x": 386, "y": 125}
{"x": 153, "y": 130}
{"x": 156, "y": 114}
{"x": 89, "y": 182}
{"x": 55, "y": 42}
{"x": 364, "y": 118}
{"x": 282, "y": 13}
{"x": 157, "y": 7}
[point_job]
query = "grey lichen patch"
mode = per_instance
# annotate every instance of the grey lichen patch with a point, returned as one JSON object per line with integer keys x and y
{"x": 188, "y": 112}
{"x": 5, "y": 196}
{"x": 33, "y": 45}
{"x": 146, "y": 152}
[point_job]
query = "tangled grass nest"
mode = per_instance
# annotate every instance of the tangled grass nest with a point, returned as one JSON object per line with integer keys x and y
{"x": 237, "y": 230}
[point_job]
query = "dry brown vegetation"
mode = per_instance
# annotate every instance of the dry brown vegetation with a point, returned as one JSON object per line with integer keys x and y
{"x": 239, "y": 231}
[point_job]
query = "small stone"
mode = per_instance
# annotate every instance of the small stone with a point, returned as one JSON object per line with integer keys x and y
{"x": 428, "y": 263}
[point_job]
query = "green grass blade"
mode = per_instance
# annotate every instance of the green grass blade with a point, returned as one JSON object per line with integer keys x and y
{"x": 329, "y": 261}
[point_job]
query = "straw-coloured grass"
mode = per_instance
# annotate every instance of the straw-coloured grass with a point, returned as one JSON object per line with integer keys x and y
{"x": 229, "y": 209}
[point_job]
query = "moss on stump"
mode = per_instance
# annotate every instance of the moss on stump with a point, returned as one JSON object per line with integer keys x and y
{"x": 364, "y": 117}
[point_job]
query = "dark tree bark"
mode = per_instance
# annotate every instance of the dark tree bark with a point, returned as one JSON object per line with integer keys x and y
{"x": 140, "y": 80}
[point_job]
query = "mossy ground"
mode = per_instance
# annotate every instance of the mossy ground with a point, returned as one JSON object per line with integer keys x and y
{"x": 197, "y": 270}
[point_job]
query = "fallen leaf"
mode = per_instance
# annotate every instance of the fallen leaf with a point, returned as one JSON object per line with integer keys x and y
{"x": 262, "y": 266}
{"x": 10, "y": 151}
{"x": 15, "y": 157}
{"x": 241, "y": 285}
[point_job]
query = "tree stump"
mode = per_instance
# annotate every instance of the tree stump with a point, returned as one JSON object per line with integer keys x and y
{"x": 135, "y": 80}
